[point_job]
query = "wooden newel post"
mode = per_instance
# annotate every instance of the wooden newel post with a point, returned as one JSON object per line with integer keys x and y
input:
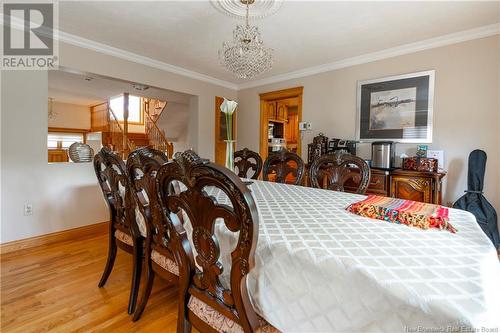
{"x": 125, "y": 125}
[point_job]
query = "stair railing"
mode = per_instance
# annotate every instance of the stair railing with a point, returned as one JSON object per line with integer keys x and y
{"x": 119, "y": 141}
{"x": 157, "y": 139}
{"x": 154, "y": 107}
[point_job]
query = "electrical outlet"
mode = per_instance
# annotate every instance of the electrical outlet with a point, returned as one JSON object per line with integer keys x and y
{"x": 28, "y": 209}
{"x": 304, "y": 126}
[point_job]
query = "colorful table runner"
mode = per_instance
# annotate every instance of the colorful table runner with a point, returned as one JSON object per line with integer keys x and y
{"x": 400, "y": 211}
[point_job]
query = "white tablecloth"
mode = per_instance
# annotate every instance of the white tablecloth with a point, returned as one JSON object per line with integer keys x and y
{"x": 322, "y": 269}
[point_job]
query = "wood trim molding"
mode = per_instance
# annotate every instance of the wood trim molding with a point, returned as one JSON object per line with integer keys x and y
{"x": 98, "y": 104}
{"x": 281, "y": 94}
{"x": 68, "y": 130}
{"x": 59, "y": 236}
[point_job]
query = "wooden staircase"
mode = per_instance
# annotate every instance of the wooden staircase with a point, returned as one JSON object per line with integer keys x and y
{"x": 153, "y": 109}
{"x": 115, "y": 134}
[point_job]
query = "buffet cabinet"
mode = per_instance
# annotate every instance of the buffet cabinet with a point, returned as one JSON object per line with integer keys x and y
{"x": 416, "y": 185}
{"x": 402, "y": 184}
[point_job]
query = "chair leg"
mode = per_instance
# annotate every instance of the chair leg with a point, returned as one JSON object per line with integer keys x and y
{"x": 109, "y": 263}
{"x": 136, "y": 276}
{"x": 183, "y": 325}
{"x": 150, "y": 276}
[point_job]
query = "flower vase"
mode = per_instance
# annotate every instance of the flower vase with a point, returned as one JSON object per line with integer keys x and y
{"x": 230, "y": 154}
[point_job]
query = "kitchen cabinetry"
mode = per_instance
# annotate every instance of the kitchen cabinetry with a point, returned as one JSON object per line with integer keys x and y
{"x": 277, "y": 111}
{"x": 271, "y": 111}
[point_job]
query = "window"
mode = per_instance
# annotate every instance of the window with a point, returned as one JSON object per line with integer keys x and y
{"x": 134, "y": 108}
{"x": 63, "y": 140}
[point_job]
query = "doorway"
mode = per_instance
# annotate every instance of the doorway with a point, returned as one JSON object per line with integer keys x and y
{"x": 280, "y": 115}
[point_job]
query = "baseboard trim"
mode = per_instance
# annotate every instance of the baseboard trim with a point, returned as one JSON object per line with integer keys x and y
{"x": 59, "y": 236}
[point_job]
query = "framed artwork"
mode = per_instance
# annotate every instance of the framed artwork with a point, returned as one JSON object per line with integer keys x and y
{"x": 396, "y": 108}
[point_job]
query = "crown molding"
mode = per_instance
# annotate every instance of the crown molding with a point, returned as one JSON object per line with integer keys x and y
{"x": 125, "y": 55}
{"x": 453, "y": 38}
{"x": 130, "y": 56}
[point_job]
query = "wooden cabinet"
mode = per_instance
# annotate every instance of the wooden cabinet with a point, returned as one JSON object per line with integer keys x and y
{"x": 403, "y": 184}
{"x": 281, "y": 111}
{"x": 379, "y": 183}
{"x": 278, "y": 110}
{"x": 58, "y": 155}
{"x": 416, "y": 189}
{"x": 398, "y": 183}
{"x": 271, "y": 111}
{"x": 417, "y": 186}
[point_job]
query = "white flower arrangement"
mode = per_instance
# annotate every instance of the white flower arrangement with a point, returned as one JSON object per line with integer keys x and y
{"x": 228, "y": 107}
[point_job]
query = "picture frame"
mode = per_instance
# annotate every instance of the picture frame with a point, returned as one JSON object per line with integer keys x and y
{"x": 397, "y": 108}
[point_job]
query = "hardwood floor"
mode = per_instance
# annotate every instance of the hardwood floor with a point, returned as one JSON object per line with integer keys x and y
{"x": 53, "y": 288}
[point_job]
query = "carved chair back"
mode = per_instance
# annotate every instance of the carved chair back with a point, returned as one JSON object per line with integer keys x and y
{"x": 196, "y": 247}
{"x": 246, "y": 160}
{"x": 113, "y": 180}
{"x": 285, "y": 166}
{"x": 142, "y": 166}
{"x": 336, "y": 169}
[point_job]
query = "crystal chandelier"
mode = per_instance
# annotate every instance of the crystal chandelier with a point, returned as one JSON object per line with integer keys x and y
{"x": 246, "y": 56}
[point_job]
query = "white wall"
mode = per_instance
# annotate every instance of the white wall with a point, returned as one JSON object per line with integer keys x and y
{"x": 466, "y": 106}
{"x": 174, "y": 122}
{"x": 66, "y": 195}
{"x": 70, "y": 116}
{"x": 193, "y": 123}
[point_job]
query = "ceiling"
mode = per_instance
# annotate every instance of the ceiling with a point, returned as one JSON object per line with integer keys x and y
{"x": 188, "y": 34}
{"x": 70, "y": 87}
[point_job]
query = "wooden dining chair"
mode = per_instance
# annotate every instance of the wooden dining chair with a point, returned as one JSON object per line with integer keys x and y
{"x": 123, "y": 227}
{"x": 284, "y": 167}
{"x": 247, "y": 160}
{"x": 142, "y": 166}
{"x": 213, "y": 296}
{"x": 332, "y": 171}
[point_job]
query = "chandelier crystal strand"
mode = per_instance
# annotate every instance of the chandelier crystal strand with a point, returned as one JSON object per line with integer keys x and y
{"x": 246, "y": 55}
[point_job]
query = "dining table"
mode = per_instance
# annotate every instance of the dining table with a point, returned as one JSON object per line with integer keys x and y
{"x": 320, "y": 268}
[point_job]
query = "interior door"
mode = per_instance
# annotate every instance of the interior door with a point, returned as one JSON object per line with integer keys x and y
{"x": 220, "y": 132}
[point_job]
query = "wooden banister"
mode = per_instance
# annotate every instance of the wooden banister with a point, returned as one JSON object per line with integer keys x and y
{"x": 119, "y": 141}
{"x": 156, "y": 137}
